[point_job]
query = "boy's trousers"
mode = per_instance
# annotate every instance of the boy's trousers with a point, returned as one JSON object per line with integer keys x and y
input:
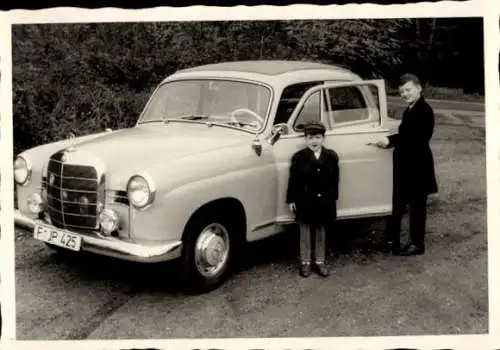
{"x": 306, "y": 233}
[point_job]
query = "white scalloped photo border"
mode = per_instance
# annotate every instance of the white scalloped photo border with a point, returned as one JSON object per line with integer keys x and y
{"x": 489, "y": 9}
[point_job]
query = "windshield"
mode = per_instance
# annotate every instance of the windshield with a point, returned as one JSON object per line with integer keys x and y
{"x": 236, "y": 103}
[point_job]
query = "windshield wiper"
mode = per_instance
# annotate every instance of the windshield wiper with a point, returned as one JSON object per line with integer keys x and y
{"x": 151, "y": 121}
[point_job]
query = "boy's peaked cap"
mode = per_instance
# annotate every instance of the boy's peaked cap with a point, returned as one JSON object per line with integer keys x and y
{"x": 314, "y": 127}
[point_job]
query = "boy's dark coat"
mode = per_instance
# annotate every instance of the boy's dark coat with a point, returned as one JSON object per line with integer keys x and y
{"x": 413, "y": 163}
{"x": 314, "y": 186}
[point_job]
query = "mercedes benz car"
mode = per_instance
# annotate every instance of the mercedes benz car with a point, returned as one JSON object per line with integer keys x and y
{"x": 205, "y": 168}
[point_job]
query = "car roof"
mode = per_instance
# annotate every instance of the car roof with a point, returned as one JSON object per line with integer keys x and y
{"x": 268, "y": 71}
{"x": 266, "y": 67}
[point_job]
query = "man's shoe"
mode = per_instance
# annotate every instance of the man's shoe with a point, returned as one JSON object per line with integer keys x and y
{"x": 406, "y": 247}
{"x": 392, "y": 247}
{"x": 305, "y": 269}
{"x": 413, "y": 250}
{"x": 322, "y": 270}
{"x": 396, "y": 248}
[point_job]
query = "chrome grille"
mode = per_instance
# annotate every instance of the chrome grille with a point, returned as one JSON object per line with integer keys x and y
{"x": 72, "y": 194}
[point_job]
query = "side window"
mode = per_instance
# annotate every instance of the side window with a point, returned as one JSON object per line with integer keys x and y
{"x": 290, "y": 98}
{"x": 346, "y": 104}
{"x": 311, "y": 110}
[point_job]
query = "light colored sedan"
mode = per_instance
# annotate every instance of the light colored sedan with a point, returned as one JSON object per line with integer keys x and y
{"x": 205, "y": 168}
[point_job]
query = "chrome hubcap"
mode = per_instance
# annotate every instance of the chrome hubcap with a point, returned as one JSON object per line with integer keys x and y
{"x": 212, "y": 250}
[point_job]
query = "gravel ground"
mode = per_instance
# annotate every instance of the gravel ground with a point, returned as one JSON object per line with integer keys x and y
{"x": 367, "y": 294}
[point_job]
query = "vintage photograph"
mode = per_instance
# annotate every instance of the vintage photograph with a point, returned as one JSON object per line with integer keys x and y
{"x": 281, "y": 178}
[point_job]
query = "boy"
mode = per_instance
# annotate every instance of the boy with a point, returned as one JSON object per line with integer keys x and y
{"x": 414, "y": 177}
{"x": 313, "y": 189}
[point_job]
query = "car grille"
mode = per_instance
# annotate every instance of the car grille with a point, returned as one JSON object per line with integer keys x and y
{"x": 72, "y": 194}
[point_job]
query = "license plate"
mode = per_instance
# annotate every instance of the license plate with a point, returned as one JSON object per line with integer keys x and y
{"x": 59, "y": 238}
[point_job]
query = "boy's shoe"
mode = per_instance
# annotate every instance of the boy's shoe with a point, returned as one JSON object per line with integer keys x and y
{"x": 322, "y": 270}
{"x": 305, "y": 269}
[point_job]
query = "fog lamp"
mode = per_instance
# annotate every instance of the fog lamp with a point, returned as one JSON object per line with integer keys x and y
{"x": 108, "y": 219}
{"x": 35, "y": 203}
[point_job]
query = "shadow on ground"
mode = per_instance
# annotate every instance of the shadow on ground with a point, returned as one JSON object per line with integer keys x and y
{"x": 356, "y": 240}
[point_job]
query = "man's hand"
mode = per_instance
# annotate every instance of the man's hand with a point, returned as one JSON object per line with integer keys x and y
{"x": 383, "y": 143}
{"x": 292, "y": 207}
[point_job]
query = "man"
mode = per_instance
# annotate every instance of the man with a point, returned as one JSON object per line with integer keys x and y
{"x": 413, "y": 168}
{"x": 312, "y": 195}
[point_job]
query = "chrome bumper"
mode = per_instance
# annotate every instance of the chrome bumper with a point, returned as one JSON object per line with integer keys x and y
{"x": 113, "y": 247}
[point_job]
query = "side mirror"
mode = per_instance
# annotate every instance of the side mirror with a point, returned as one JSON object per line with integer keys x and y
{"x": 277, "y": 131}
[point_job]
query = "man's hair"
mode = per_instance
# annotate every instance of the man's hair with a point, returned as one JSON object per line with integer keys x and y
{"x": 408, "y": 77}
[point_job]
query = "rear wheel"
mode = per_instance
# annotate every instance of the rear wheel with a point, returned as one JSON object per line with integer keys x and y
{"x": 208, "y": 252}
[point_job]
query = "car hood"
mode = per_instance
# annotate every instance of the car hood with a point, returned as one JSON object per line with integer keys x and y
{"x": 137, "y": 147}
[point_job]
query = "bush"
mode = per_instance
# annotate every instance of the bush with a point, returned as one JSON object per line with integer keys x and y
{"x": 82, "y": 78}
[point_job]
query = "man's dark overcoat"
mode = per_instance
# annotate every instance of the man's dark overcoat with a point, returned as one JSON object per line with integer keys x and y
{"x": 413, "y": 163}
{"x": 314, "y": 186}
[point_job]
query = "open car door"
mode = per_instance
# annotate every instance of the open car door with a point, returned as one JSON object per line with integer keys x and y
{"x": 355, "y": 114}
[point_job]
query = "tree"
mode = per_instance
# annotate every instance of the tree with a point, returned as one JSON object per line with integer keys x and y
{"x": 85, "y": 77}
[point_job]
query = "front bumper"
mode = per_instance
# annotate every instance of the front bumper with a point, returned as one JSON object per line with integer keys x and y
{"x": 113, "y": 247}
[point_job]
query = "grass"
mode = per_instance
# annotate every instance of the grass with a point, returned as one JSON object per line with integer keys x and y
{"x": 444, "y": 93}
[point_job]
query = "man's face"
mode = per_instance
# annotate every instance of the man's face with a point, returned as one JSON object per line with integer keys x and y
{"x": 410, "y": 92}
{"x": 314, "y": 142}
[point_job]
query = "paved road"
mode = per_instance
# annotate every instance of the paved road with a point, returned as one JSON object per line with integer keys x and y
{"x": 442, "y": 104}
{"x": 450, "y": 112}
{"x": 368, "y": 293}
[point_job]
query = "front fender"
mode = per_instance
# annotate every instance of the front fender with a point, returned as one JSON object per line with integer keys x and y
{"x": 253, "y": 185}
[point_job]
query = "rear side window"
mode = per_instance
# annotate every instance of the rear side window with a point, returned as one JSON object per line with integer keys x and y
{"x": 345, "y": 104}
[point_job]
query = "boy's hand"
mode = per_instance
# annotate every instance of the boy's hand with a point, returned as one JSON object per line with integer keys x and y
{"x": 292, "y": 207}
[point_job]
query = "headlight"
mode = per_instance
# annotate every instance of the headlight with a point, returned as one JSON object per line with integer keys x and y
{"x": 22, "y": 171}
{"x": 140, "y": 191}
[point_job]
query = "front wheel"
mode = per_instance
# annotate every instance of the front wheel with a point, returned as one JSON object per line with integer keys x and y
{"x": 207, "y": 254}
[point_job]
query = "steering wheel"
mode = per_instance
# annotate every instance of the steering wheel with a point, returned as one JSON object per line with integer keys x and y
{"x": 246, "y": 110}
